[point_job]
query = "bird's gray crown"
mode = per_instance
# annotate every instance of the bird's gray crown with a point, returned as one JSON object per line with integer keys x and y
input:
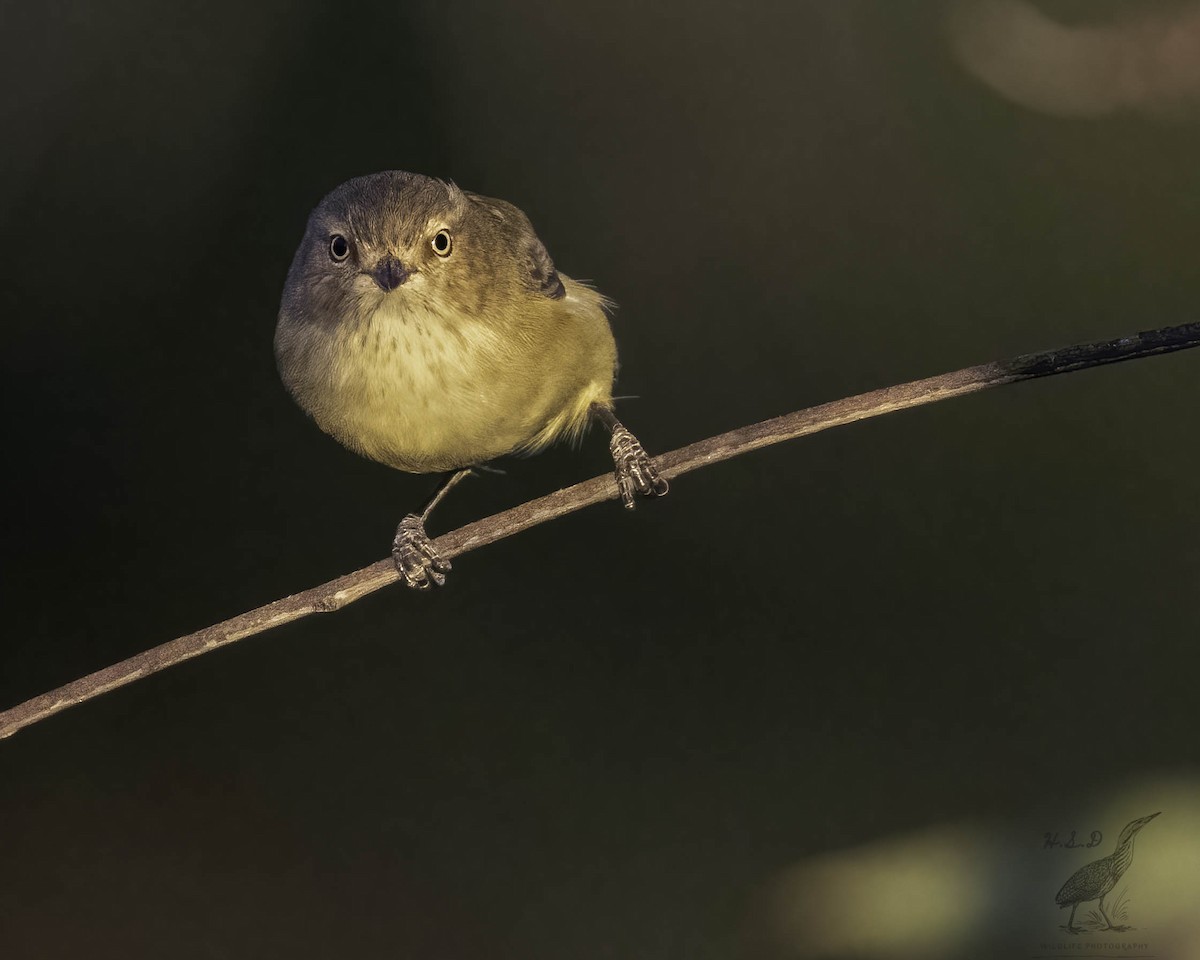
{"x": 387, "y": 207}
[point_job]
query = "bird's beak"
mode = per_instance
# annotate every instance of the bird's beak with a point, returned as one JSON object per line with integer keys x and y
{"x": 389, "y": 273}
{"x": 1145, "y": 820}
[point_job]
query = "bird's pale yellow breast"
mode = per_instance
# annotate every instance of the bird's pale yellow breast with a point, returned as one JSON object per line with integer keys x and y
{"x": 422, "y": 390}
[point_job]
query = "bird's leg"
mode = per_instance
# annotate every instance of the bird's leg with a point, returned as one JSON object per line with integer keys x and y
{"x": 635, "y": 472}
{"x": 1104, "y": 914}
{"x": 416, "y": 560}
{"x": 1071, "y": 920}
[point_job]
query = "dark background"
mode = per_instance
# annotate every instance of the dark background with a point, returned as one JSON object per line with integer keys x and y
{"x": 603, "y": 737}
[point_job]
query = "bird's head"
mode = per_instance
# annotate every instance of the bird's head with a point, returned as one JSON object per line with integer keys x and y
{"x": 412, "y": 242}
{"x": 1134, "y": 826}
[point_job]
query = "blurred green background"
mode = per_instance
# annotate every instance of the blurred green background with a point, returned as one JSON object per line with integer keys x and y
{"x": 607, "y": 737}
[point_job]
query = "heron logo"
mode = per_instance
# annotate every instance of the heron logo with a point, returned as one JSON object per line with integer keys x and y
{"x": 1094, "y": 881}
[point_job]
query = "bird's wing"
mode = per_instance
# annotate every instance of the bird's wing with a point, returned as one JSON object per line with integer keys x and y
{"x": 539, "y": 274}
{"x": 1084, "y": 884}
{"x": 544, "y": 277}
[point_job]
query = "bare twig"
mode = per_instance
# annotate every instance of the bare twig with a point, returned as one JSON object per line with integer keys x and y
{"x": 338, "y": 593}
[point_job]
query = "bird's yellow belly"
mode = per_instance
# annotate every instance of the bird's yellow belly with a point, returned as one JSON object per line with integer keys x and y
{"x": 424, "y": 393}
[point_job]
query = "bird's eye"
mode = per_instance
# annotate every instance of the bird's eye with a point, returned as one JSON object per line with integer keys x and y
{"x": 441, "y": 243}
{"x": 339, "y": 247}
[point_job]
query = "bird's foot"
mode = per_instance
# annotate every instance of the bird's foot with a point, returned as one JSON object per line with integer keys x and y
{"x": 635, "y": 472}
{"x": 417, "y": 562}
{"x": 1071, "y": 928}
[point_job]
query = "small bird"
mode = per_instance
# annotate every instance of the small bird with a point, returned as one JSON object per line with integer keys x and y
{"x": 1095, "y": 880}
{"x": 427, "y": 328}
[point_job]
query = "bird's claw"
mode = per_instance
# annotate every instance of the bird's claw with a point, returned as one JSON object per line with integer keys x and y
{"x": 417, "y": 562}
{"x": 635, "y": 471}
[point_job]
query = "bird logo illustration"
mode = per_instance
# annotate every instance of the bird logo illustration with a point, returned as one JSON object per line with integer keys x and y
{"x": 1095, "y": 880}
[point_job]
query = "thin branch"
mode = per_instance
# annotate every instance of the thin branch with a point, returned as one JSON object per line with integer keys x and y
{"x": 345, "y": 590}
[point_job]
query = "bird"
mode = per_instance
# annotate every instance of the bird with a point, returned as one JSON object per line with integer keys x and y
{"x": 427, "y": 328}
{"x": 1095, "y": 880}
